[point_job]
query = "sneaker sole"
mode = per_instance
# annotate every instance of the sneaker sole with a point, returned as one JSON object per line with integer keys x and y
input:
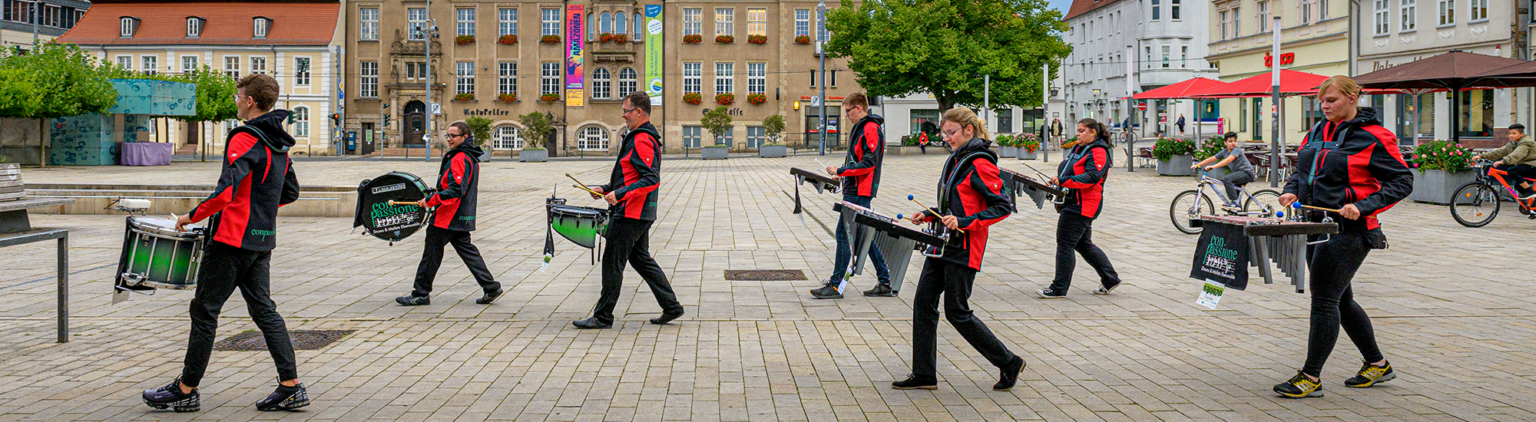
{"x": 1105, "y": 291}
{"x": 1315, "y": 393}
{"x": 493, "y": 300}
{"x": 815, "y": 296}
{"x": 177, "y": 409}
{"x": 1384, "y": 378}
{"x": 921, "y": 387}
{"x": 891, "y": 294}
{"x": 294, "y": 405}
{"x": 1043, "y": 296}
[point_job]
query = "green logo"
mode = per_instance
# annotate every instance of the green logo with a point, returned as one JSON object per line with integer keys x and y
{"x": 1218, "y": 247}
{"x": 383, "y": 209}
{"x": 467, "y": 218}
{"x": 262, "y": 233}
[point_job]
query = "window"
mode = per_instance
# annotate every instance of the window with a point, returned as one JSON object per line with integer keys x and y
{"x": 1173, "y": 11}
{"x": 604, "y": 24}
{"x": 416, "y": 23}
{"x": 725, "y": 22}
{"x": 464, "y": 78}
{"x": 549, "y": 78}
{"x": 1322, "y": 10}
{"x": 1479, "y": 11}
{"x": 1476, "y": 111}
{"x": 1382, "y": 16}
{"x": 601, "y": 84}
{"x": 259, "y": 27}
{"x": 151, "y": 65}
{"x": 639, "y": 29}
{"x": 506, "y": 138}
{"x": 259, "y": 65}
{"x": 1237, "y": 23}
{"x": 1306, "y": 12}
{"x": 232, "y": 67}
{"x": 1165, "y": 56}
{"x": 128, "y": 25}
{"x": 300, "y": 122}
{"x": 725, "y": 77}
{"x": 802, "y": 22}
{"x": 194, "y": 27}
{"x": 1447, "y": 12}
{"x": 757, "y": 78}
{"x": 757, "y": 22}
{"x": 1223, "y": 20}
{"x": 725, "y": 138}
{"x": 592, "y": 138}
{"x": 833, "y": 81}
{"x": 1263, "y": 17}
{"x": 549, "y": 22}
{"x": 620, "y": 23}
{"x": 368, "y": 82}
{"x": 756, "y": 135}
{"x": 627, "y": 82}
{"x": 692, "y": 135}
{"x": 412, "y": 74}
{"x": 368, "y": 30}
{"x": 188, "y": 64}
{"x": 466, "y": 21}
{"x": 693, "y": 21}
{"x": 1005, "y": 121}
{"x": 1183, "y": 57}
{"x": 1409, "y": 14}
{"x": 301, "y": 71}
{"x": 692, "y": 77}
{"x": 1157, "y": 9}
{"x": 506, "y": 20}
{"x": 506, "y": 78}
{"x": 125, "y": 62}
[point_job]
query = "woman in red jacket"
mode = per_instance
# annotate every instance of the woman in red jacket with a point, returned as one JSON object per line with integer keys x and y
{"x": 1083, "y": 171}
{"x": 1351, "y": 164}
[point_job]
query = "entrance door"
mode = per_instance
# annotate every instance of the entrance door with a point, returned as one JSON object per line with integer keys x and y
{"x": 812, "y": 124}
{"x": 415, "y": 124}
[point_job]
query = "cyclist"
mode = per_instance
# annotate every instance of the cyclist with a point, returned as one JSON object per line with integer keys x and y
{"x": 1518, "y": 157}
{"x": 1241, "y": 170}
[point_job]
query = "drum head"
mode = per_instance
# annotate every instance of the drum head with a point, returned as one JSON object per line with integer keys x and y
{"x": 391, "y": 222}
{"x": 163, "y": 226}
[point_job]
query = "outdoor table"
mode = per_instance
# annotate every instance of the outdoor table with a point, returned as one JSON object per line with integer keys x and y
{"x": 15, "y": 229}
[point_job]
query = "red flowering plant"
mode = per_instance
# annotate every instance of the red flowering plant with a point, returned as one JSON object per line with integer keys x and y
{"x": 605, "y": 37}
{"x": 1441, "y": 155}
{"x": 508, "y": 39}
{"x": 693, "y": 98}
{"x": 757, "y": 39}
{"x": 724, "y": 39}
{"x": 693, "y": 38}
{"x": 464, "y": 96}
{"x": 757, "y": 99}
{"x": 464, "y": 39}
{"x": 550, "y": 39}
{"x": 507, "y": 98}
{"x": 725, "y": 99}
{"x": 549, "y": 98}
{"x": 621, "y": 38}
{"x": 803, "y": 39}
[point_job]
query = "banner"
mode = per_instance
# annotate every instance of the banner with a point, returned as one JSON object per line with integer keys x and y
{"x": 653, "y": 50}
{"x": 1221, "y": 255}
{"x": 574, "y": 25}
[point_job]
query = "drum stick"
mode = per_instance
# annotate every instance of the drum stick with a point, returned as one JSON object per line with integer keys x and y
{"x": 1299, "y": 205}
{"x": 399, "y": 203}
{"x": 578, "y": 186}
{"x": 935, "y": 210}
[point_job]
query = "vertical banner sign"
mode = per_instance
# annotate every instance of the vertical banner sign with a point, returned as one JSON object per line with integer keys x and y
{"x": 653, "y": 50}
{"x": 574, "y": 54}
{"x": 1221, "y": 255}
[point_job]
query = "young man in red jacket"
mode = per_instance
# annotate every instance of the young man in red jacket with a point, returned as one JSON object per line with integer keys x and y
{"x": 256, "y": 179}
{"x": 860, "y": 174}
{"x": 632, "y": 197}
{"x": 458, "y": 187}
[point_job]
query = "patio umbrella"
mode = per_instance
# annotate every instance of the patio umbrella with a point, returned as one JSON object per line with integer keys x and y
{"x": 1454, "y": 71}
{"x": 1292, "y": 83}
{"x": 1181, "y": 91}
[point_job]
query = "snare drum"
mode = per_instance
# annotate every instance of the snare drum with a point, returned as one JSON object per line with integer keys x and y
{"x": 580, "y": 225}
{"x": 156, "y": 255}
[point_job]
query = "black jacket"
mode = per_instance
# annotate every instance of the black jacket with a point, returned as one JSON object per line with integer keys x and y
{"x": 866, "y": 152}
{"x": 1083, "y": 171}
{"x": 1351, "y": 162}
{"x": 636, "y": 175}
{"x": 971, "y": 190}
{"x": 256, "y": 179}
{"x": 458, "y": 186}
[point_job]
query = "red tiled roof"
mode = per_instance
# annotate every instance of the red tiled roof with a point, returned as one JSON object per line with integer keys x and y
{"x": 1079, "y": 7}
{"x": 227, "y": 23}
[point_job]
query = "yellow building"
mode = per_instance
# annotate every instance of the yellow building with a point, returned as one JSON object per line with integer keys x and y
{"x": 1313, "y": 38}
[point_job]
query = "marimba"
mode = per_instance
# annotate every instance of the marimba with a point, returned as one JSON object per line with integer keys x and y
{"x": 822, "y": 183}
{"x": 1279, "y": 240}
{"x": 1036, "y": 190}
{"x": 896, "y": 242}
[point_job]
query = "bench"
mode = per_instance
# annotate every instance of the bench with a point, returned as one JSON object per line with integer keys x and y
{"x": 16, "y": 229}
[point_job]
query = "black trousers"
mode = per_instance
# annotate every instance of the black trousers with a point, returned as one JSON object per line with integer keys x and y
{"x": 432, "y": 258}
{"x": 629, "y": 242}
{"x": 1518, "y": 170}
{"x": 1333, "y": 265}
{"x": 224, "y": 269}
{"x": 1074, "y": 234}
{"x": 952, "y": 281}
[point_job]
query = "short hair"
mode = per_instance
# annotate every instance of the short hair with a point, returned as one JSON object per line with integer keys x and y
{"x": 261, "y": 88}
{"x": 1346, "y": 86}
{"x": 856, "y": 99}
{"x": 1518, "y": 127}
{"x": 1229, "y": 135}
{"x": 463, "y": 127}
{"x": 639, "y": 100}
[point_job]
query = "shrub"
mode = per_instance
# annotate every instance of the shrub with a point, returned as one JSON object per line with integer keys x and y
{"x": 1166, "y": 148}
{"x": 693, "y": 98}
{"x": 1441, "y": 155}
{"x": 1004, "y": 140}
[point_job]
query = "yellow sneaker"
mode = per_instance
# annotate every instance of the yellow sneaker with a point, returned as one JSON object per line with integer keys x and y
{"x": 1300, "y": 386}
{"x": 1371, "y": 375}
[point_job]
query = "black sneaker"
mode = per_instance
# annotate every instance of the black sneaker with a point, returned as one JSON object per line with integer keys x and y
{"x": 490, "y": 297}
{"x": 284, "y": 398}
{"x": 1010, "y": 374}
{"x": 413, "y": 300}
{"x": 1048, "y": 293}
{"x": 1371, "y": 375}
{"x": 881, "y": 290}
{"x": 914, "y": 382}
{"x": 1106, "y": 289}
{"x": 591, "y": 324}
{"x": 667, "y": 317}
{"x": 171, "y": 397}
{"x": 828, "y": 291}
{"x": 1300, "y": 386}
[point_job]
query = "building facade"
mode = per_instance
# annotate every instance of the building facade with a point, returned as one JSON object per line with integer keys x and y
{"x": 575, "y": 60}
{"x": 1165, "y": 44}
{"x": 298, "y": 43}
{"x": 51, "y": 17}
{"x": 1313, "y": 38}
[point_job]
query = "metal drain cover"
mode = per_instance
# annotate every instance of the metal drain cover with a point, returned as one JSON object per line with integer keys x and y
{"x": 252, "y": 341}
{"x": 764, "y": 275}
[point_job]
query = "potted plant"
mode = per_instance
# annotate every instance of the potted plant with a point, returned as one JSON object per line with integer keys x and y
{"x": 693, "y": 38}
{"x": 1005, "y": 147}
{"x": 621, "y": 38}
{"x": 605, "y": 37}
{"x": 1443, "y": 166}
{"x": 1174, "y": 156}
{"x": 773, "y": 127}
{"x": 464, "y": 39}
{"x": 724, "y": 39}
{"x": 757, "y": 99}
{"x": 507, "y": 98}
{"x": 757, "y": 39}
{"x": 718, "y": 122}
{"x": 549, "y": 98}
{"x": 803, "y": 39}
{"x": 549, "y": 39}
{"x": 508, "y": 39}
{"x": 464, "y": 96}
{"x": 693, "y": 98}
{"x": 725, "y": 99}
{"x": 536, "y": 127}
{"x": 1029, "y": 145}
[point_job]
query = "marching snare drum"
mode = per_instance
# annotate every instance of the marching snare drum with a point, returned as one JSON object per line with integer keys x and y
{"x": 580, "y": 225}
{"x": 156, "y": 255}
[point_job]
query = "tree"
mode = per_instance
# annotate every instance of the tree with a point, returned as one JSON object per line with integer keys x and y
{"x": 717, "y": 122}
{"x": 944, "y": 47}
{"x": 480, "y": 128}
{"x": 773, "y": 126}
{"x": 535, "y": 127}
{"x": 61, "y": 80}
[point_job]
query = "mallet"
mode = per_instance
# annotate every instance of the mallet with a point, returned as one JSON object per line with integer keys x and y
{"x": 935, "y": 210}
{"x": 1299, "y": 205}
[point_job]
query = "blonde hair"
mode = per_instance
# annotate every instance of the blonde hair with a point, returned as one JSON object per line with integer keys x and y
{"x": 1346, "y": 85}
{"x": 966, "y": 117}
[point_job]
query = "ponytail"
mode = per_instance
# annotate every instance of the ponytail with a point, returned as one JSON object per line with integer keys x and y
{"x": 1100, "y": 132}
{"x": 966, "y": 117}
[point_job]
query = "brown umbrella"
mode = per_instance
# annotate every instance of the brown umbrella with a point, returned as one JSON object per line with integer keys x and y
{"x": 1454, "y": 71}
{"x": 1519, "y": 75}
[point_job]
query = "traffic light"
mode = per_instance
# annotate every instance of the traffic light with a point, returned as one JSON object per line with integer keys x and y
{"x": 336, "y": 119}
{"x": 386, "y": 119}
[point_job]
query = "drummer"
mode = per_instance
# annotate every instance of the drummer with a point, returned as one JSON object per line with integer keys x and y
{"x": 1349, "y": 163}
{"x": 453, "y": 219}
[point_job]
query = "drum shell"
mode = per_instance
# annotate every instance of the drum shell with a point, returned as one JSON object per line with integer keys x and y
{"x": 156, "y": 255}
{"x": 392, "y": 222}
{"x": 580, "y": 225}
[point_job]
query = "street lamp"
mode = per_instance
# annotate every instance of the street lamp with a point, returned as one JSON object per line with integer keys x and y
{"x": 821, "y": 41}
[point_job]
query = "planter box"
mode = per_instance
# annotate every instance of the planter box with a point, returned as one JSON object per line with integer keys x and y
{"x": 1177, "y": 165}
{"x": 1437, "y": 186}
{"x": 772, "y": 151}
{"x": 716, "y": 153}
{"x": 903, "y": 150}
{"x": 1007, "y": 152}
{"x": 533, "y": 155}
{"x": 1025, "y": 154}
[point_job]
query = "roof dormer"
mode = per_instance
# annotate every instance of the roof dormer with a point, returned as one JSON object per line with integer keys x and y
{"x": 129, "y": 25}
{"x": 195, "y": 26}
{"x": 260, "y": 25}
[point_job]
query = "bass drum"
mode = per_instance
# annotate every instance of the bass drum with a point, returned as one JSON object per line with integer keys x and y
{"x": 391, "y": 223}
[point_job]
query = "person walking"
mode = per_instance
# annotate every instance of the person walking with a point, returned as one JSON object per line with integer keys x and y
{"x": 860, "y": 175}
{"x": 1181, "y": 124}
{"x": 458, "y": 187}
{"x": 1083, "y": 172}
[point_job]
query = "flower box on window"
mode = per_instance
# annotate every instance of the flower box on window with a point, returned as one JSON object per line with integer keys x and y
{"x": 549, "y": 98}
{"x": 507, "y": 98}
{"x": 757, "y": 99}
{"x": 803, "y": 39}
{"x": 757, "y": 39}
{"x": 605, "y": 37}
{"x": 550, "y": 39}
{"x": 725, "y": 99}
{"x": 508, "y": 39}
{"x": 724, "y": 39}
{"x": 621, "y": 38}
{"x": 464, "y": 39}
{"x": 464, "y": 96}
{"x": 693, "y": 98}
{"x": 693, "y": 38}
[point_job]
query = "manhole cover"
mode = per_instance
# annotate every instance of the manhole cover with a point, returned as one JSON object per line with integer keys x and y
{"x": 252, "y": 341}
{"x": 764, "y": 275}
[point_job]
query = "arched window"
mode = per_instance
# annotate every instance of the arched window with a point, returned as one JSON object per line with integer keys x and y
{"x": 592, "y": 138}
{"x": 601, "y": 84}
{"x": 639, "y": 28}
{"x": 300, "y": 122}
{"x": 605, "y": 24}
{"x": 506, "y": 137}
{"x": 627, "y": 82}
{"x": 620, "y": 25}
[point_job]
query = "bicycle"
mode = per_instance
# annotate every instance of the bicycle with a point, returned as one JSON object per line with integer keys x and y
{"x": 1476, "y": 204}
{"x": 1194, "y": 203}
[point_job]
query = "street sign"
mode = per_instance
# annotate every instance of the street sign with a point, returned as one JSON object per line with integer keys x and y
{"x": 1141, "y": 106}
{"x": 815, "y": 101}
{"x": 437, "y": 108}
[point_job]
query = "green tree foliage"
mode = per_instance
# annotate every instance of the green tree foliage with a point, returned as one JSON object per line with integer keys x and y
{"x": 480, "y": 128}
{"x": 773, "y": 127}
{"x": 535, "y": 127}
{"x": 55, "y": 80}
{"x": 215, "y": 90}
{"x": 943, "y": 47}
{"x": 717, "y": 121}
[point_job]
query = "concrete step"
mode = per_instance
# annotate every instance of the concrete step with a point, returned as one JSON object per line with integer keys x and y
{"x": 98, "y": 199}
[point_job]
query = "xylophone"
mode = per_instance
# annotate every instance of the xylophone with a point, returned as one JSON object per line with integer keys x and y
{"x": 822, "y": 183}
{"x": 896, "y": 242}
{"x": 1034, "y": 189}
{"x": 1280, "y": 240}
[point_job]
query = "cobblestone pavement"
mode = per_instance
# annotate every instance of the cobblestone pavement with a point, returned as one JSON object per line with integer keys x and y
{"x": 1452, "y": 306}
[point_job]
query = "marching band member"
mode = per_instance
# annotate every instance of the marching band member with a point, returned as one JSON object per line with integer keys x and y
{"x": 860, "y": 174}
{"x": 458, "y": 188}
{"x": 1083, "y": 171}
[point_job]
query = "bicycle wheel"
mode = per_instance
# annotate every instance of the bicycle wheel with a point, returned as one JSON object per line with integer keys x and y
{"x": 1189, "y": 205}
{"x": 1475, "y": 204}
{"x": 1262, "y": 203}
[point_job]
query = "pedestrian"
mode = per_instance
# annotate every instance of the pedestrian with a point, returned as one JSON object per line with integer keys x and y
{"x": 1055, "y": 131}
{"x": 1181, "y": 124}
{"x": 1349, "y": 163}
{"x": 458, "y": 187}
{"x": 860, "y": 175}
{"x": 1082, "y": 172}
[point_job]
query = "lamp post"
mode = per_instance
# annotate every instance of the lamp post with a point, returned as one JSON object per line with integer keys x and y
{"x": 821, "y": 53}
{"x": 431, "y": 34}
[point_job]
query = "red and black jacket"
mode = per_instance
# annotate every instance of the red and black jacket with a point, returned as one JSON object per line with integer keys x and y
{"x": 1083, "y": 171}
{"x": 255, "y": 180}
{"x": 458, "y": 186}
{"x": 971, "y": 190}
{"x": 866, "y": 151}
{"x": 637, "y": 175}
{"x": 1351, "y": 162}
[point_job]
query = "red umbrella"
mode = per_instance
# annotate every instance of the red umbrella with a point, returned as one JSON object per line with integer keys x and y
{"x": 1179, "y": 90}
{"x": 1291, "y": 83}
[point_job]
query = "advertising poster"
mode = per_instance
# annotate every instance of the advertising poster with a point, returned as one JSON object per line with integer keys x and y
{"x": 653, "y": 49}
{"x": 574, "y": 54}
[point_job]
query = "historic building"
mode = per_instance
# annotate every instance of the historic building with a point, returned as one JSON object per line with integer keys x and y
{"x": 1166, "y": 43}
{"x": 50, "y": 19}
{"x": 1313, "y": 38}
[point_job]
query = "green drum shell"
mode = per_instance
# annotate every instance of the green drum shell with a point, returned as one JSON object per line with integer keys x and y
{"x": 156, "y": 255}
{"x": 580, "y": 225}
